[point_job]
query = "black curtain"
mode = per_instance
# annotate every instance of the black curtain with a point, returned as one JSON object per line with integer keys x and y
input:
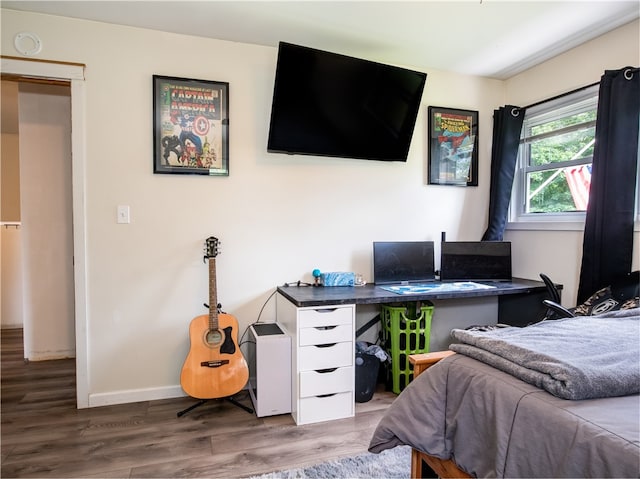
{"x": 608, "y": 231}
{"x": 507, "y": 125}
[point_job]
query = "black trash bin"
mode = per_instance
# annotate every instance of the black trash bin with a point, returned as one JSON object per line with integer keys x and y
{"x": 367, "y": 366}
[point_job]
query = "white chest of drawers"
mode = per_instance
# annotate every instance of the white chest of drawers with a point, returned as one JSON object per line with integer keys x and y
{"x": 322, "y": 360}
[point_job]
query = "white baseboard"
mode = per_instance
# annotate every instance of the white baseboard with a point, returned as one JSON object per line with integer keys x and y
{"x": 50, "y": 355}
{"x": 12, "y": 326}
{"x": 135, "y": 395}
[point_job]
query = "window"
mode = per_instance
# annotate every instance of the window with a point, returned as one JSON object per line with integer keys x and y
{"x": 553, "y": 171}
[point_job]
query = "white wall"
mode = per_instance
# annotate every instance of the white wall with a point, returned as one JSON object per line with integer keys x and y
{"x": 11, "y": 311}
{"x": 10, "y": 251}
{"x": 278, "y": 216}
{"x": 46, "y": 234}
{"x": 559, "y": 253}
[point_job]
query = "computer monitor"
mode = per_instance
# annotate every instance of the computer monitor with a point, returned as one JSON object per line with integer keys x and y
{"x": 475, "y": 260}
{"x": 403, "y": 262}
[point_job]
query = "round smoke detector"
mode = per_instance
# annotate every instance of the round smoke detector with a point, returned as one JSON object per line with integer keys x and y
{"x": 27, "y": 43}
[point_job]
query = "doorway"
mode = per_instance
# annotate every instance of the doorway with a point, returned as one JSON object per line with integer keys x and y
{"x": 73, "y": 75}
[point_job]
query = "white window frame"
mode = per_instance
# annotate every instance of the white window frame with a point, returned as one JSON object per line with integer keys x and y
{"x": 518, "y": 218}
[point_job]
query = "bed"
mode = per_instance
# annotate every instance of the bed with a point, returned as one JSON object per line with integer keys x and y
{"x": 485, "y": 408}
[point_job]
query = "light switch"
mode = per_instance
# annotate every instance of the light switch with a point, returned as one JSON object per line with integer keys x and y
{"x": 124, "y": 216}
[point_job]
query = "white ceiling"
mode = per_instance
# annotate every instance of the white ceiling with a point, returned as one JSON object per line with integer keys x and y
{"x": 492, "y": 38}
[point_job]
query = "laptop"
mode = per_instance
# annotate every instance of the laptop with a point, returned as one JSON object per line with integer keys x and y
{"x": 403, "y": 262}
{"x": 475, "y": 261}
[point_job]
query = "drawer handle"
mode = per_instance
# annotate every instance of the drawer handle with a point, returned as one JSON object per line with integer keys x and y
{"x": 323, "y": 311}
{"x": 324, "y": 371}
{"x": 330, "y": 345}
{"x": 325, "y": 328}
{"x": 326, "y": 395}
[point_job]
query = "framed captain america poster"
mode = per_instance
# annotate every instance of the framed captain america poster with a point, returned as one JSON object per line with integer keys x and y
{"x": 190, "y": 126}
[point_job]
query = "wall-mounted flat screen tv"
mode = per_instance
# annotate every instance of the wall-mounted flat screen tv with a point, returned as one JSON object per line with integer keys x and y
{"x": 327, "y": 104}
{"x": 399, "y": 262}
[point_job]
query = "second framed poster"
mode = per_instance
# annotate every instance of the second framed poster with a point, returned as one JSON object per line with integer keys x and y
{"x": 190, "y": 126}
{"x": 453, "y": 146}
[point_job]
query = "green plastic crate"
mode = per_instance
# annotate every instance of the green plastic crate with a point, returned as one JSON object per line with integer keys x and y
{"x": 405, "y": 330}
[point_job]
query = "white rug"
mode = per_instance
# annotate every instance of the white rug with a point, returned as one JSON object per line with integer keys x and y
{"x": 390, "y": 464}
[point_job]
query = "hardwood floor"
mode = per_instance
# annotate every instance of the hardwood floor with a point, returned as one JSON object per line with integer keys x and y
{"x": 44, "y": 435}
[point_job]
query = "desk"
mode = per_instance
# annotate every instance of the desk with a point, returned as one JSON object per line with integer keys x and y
{"x": 519, "y": 300}
{"x": 304, "y": 296}
{"x": 321, "y": 322}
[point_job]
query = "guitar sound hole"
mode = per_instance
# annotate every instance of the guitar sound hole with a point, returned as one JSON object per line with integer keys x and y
{"x": 213, "y": 337}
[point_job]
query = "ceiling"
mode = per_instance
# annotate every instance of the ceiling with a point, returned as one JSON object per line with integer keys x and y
{"x": 491, "y": 38}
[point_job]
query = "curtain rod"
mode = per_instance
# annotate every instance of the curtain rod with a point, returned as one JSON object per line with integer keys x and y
{"x": 560, "y": 96}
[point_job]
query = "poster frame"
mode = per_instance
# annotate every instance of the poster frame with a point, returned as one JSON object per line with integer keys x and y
{"x": 190, "y": 126}
{"x": 445, "y": 171}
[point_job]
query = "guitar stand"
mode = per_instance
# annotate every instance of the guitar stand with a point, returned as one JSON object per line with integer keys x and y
{"x": 202, "y": 401}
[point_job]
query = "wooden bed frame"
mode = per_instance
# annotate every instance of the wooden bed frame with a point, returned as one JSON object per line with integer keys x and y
{"x": 442, "y": 468}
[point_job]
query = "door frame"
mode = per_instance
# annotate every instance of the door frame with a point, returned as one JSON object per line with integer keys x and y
{"x": 74, "y": 73}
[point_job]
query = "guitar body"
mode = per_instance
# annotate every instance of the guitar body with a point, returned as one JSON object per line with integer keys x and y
{"x": 215, "y": 367}
{"x": 214, "y": 370}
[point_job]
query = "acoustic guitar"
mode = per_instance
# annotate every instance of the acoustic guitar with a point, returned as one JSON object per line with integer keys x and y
{"x": 215, "y": 367}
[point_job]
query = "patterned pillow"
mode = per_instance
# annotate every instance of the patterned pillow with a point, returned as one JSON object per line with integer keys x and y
{"x": 623, "y": 294}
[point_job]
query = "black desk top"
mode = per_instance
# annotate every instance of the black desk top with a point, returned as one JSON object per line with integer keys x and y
{"x": 303, "y": 296}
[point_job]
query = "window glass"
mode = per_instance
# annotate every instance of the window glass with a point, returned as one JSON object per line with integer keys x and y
{"x": 553, "y": 173}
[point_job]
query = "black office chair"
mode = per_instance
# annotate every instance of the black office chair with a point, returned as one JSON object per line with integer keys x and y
{"x": 554, "y": 309}
{"x": 623, "y": 293}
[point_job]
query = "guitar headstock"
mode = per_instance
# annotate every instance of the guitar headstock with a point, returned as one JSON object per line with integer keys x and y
{"x": 211, "y": 247}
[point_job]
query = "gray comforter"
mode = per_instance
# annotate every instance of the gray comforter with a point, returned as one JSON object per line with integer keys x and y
{"x": 494, "y": 425}
{"x": 574, "y": 358}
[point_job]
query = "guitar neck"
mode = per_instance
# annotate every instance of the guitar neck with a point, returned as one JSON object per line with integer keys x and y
{"x": 213, "y": 299}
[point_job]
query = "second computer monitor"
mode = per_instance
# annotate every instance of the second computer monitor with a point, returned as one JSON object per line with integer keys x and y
{"x": 475, "y": 260}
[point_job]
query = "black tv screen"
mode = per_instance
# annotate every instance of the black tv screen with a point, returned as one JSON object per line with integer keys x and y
{"x": 327, "y": 104}
{"x": 397, "y": 262}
